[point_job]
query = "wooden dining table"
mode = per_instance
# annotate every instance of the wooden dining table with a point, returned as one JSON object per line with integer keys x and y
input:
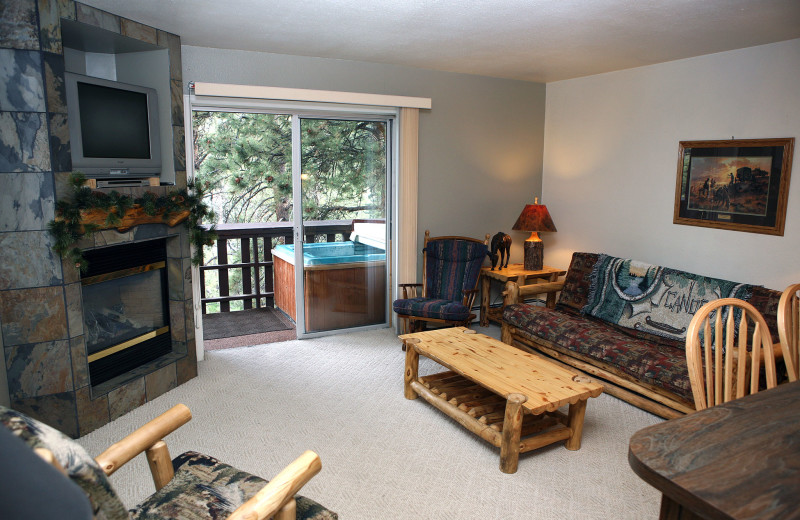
{"x": 736, "y": 460}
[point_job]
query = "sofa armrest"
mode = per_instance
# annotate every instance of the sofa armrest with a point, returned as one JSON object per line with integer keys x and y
{"x": 515, "y": 293}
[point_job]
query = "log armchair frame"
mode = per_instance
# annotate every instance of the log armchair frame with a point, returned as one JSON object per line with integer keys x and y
{"x": 274, "y": 500}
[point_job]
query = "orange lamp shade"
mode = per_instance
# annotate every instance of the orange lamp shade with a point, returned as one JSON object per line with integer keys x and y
{"x": 534, "y": 218}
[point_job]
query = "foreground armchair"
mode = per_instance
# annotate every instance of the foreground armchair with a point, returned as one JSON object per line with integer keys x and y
{"x": 193, "y": 486}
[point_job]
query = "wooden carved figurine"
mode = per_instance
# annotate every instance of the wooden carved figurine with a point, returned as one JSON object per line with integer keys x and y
{"x": 500, "y": 243}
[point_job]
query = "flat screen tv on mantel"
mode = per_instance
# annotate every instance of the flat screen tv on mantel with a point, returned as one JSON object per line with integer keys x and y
{"x": 113, "y": 128}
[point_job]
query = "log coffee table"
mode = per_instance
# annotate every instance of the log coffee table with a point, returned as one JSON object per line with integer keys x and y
{"x": 504, "y": 395}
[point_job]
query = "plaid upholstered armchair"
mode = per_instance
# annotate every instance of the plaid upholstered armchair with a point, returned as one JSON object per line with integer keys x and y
{"x": 451, "y": 266}
{"x": 193, "y": 486}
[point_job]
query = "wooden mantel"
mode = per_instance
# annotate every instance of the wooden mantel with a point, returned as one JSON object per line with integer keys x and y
{"x": 134, "y": 216}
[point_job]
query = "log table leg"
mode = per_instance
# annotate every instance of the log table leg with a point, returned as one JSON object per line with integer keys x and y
{"x": 575, "y": 423}
{"x": 412, "y": 367}
{"x": 512, "y": 429}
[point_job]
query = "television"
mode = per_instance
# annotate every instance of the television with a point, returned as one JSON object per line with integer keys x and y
{"x": 113, "y": 128}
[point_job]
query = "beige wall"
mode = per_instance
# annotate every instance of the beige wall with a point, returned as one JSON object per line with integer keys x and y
{"x": 611, "y": 150}
{"x": 481, "y": 144}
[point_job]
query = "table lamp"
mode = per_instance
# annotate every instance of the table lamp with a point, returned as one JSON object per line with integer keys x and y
{"x": 534, "y": 218}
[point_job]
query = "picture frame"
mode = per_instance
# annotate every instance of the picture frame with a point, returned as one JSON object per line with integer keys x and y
{"x": 736, "y": 184}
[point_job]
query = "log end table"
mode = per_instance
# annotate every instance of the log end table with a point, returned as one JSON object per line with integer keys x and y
{"x": 514, "y": 273}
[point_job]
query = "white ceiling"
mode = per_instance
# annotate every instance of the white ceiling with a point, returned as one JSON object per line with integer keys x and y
{"x": 532, "y": 40}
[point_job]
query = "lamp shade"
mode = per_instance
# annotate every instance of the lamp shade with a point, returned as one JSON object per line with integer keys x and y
{"x": 534, "y": 217}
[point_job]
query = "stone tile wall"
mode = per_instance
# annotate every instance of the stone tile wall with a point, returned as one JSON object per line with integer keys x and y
{"x": 41, "y": 320}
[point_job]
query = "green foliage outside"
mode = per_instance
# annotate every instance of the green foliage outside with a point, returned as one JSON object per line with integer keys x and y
{"x": 243, "y": 162}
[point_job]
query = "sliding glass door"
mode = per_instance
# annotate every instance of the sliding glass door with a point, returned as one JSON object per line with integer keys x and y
{"x": 341, "y": 186}
{"x": 312, "y": 191}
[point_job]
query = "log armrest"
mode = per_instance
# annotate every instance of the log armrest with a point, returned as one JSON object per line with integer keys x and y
{"x": 515, "y": 293}
{"x": 469, "y": 298}
{"x": 276, "y": 498}
{"x": 409, "y": 289}
{"x": 148, "y": 439}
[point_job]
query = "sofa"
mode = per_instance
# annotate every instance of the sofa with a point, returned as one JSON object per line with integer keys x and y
{"x": 623, "y": 323}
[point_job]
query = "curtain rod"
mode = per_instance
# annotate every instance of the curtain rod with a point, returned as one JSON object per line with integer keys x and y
{"x": 300, "y": 94}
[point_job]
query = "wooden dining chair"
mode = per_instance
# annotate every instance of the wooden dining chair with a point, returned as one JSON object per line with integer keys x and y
{"x": 789, "y": 330}
{"x": 727, "y": 343}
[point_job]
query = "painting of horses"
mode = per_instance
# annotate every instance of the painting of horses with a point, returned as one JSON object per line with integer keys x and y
{"x": 734, "y": 184}
{"x": 730, "y": 184}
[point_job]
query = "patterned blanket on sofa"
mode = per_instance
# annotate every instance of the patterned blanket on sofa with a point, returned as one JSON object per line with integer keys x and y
{"x": 654, "y": 299}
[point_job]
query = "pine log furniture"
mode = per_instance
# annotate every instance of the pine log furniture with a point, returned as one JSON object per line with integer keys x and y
{"x": 451, "y": 266}
{"x": 506, "y": 396}
{"x": 739, "y": 460}
{"x": 192, "y": 486}
{"x": 727, "y": 344}
{"x": 638, "y": 356}
{"x": 789, "y": 329}
{"x": 516, "y": 273}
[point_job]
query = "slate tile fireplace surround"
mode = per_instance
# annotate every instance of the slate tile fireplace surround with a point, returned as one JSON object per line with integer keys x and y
{"x": 44, "y": 369}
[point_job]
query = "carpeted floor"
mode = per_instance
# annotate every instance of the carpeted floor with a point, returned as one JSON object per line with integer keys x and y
{"x": 242, "y": 323}
{"x": 383, "y": 457}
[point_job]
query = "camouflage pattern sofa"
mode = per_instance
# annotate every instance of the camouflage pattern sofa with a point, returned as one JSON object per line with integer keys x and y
{"x": 623, "y": 323}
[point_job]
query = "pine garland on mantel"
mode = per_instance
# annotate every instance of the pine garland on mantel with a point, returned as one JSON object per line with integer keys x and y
{"x": 71, "y": 224}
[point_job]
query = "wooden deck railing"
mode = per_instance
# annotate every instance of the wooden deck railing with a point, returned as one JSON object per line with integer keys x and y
{"x": 257, "y": 267}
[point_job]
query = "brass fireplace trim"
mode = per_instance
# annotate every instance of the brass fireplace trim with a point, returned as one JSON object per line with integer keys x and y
{"x": 122, "y": 273}
{"x": 127, "y": 344}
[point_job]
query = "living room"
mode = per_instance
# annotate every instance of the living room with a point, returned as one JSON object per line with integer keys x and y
{"x": 599, "y": 150}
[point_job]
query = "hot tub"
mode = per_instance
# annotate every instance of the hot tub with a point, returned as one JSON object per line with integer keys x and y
{"x": 345, "y": 284}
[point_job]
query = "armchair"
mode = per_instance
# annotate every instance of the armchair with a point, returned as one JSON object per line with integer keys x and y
{"x": 193, "y": 486}
{"x": 451, "y": 266}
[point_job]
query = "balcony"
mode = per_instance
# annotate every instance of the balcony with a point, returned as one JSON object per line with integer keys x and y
{"x": 255, "y": 242}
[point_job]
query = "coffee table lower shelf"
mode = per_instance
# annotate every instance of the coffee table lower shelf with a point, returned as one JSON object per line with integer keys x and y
{"x": 485, "y": 413}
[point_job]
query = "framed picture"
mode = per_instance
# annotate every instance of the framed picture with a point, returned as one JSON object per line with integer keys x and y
{"x": 740, "y": 184}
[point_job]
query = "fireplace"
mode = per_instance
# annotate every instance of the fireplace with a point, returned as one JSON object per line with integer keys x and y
{"x": 125, "y": 308}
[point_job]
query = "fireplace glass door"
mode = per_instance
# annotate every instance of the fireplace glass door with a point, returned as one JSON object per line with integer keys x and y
{"x": 125, "y": 309}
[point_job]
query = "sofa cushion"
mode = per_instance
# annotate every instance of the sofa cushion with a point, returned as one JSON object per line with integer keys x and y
{"x": 577, "y": 281}
{"x": 432, "y": 308}
{"x": 658, "y": 364}
{"x": 452, "y": 266}
{"x": 766, "y": 302}
{"x": 205, "y": 488}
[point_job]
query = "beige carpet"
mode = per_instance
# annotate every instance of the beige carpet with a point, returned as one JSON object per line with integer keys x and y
{"x": 383, "y": 457}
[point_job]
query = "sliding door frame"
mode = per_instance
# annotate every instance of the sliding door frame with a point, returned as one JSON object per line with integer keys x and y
{"x": 389, "y": 118}
{"x": 401, "y": 185}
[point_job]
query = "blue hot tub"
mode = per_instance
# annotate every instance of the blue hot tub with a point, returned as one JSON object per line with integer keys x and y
{"x": 345, "y": 284}
{"x": 327, "y": 253}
